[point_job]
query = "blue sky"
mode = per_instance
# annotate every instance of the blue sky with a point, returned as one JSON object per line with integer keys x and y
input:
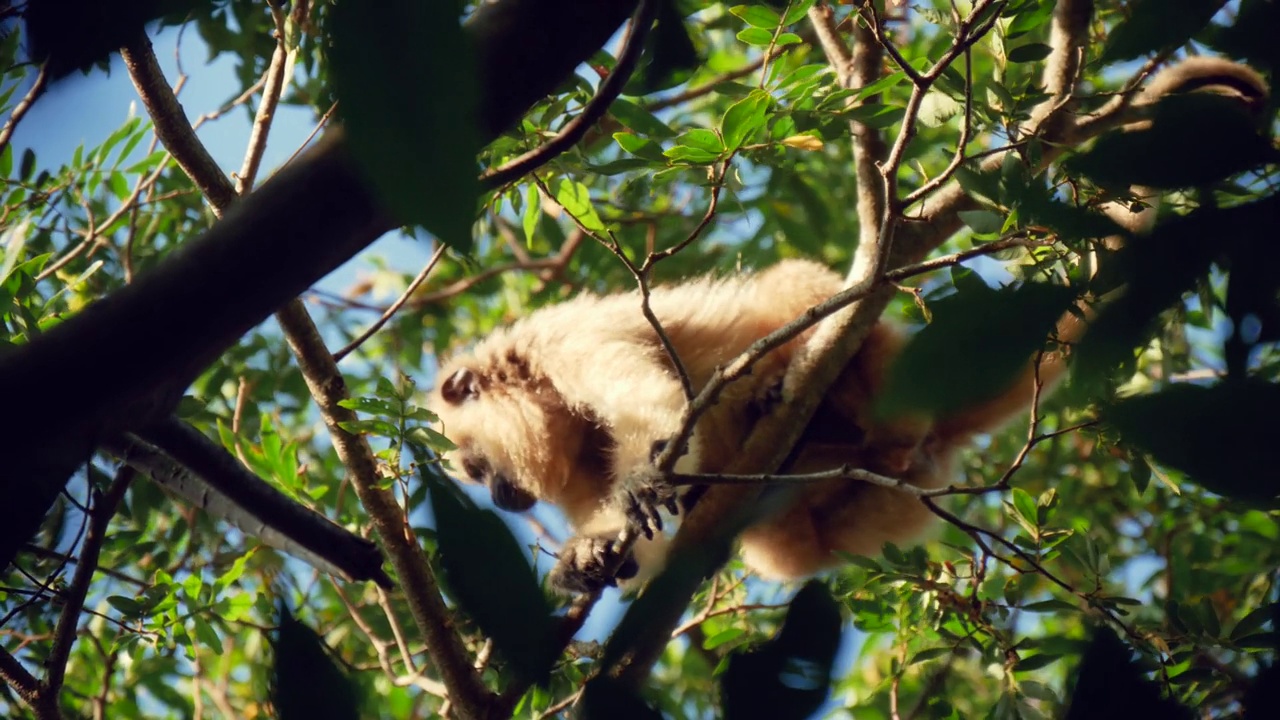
{"x": 87, "y": 109}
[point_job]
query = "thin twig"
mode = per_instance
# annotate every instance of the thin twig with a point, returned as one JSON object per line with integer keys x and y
{"x": 64, "y": 633}
{"x": 96, "y": 230}
{"x": 320, "y": 125}
{"x": 20, "y": 110}
{"x": 272, "y": 87}
{"x": 610, "y": 89}
{"x": 394, "y": 307}
{"x": 641, "y": 275}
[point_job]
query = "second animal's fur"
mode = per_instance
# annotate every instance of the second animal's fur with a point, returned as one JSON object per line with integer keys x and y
{"x": 571, "y": 403}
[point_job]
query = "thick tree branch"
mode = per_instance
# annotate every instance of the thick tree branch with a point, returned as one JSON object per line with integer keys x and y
{"x": 421, "y": 590}
{"x": 327, "y": 386}
{"x": 313, "y": 215}
{"x": 173, "y": 126}
{"x": 199, "y": 471}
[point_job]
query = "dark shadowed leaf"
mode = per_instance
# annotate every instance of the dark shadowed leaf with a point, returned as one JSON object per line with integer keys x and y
{"x": 1252, "y": 36}
{"x": 307, "y": 682}
{"x": 978, "y": 340}
{"x": 75, "y": 34}
{"x": 1224, "y": 437}
{"x": 640, "y": 120}
{"x": 405, "y": 76}
{"x": 1262, "y": 701}
{"x": 1109, "y": 686}
{"x": 1159, "y": 268}
{"x": 491, "y": 580}
{"x": 1071, "y": 222}
{"x": 1158, "y": 24}
{"x": 1142, "y": 157}
{"x": 608, "y": 699}
{"x": 790, "y": 675}
{"x": 670, "y": 53}
{"x": 1029, "y": 53}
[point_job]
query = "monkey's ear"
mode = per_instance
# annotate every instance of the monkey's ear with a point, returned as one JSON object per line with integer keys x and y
{"x": 462, "y": 385}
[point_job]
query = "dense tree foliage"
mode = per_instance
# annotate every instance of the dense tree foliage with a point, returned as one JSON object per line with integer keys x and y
{"x": 1116, "y": 554}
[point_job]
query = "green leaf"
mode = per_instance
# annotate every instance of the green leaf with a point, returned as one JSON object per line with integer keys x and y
{"x": 306, "y": 681}
{"x": 640, "y": 120}
{"x": 756, "y": 36}
{"x": 691, "y": 155}
{"x": 129, "y": 607}
{"x": 876, "y": 115}
{"x": 1139, "y": 473}
{"x": 1025, "y": 505}
{"x": 1030, "y": 52}
{"x": 757, "y": 16}
{"x": 28, "y": 165}
{"x": 723, "y": 637}
{"x": 984, "y": 222}
{"x": 929, "y": 654}
{"x": 206, "y": 635}
{"x": 532, "y": 213}
{"x": 797, "y": 11}
{"x": 1213, "y": 434}
{"x": 984, "y": 358}
{"x": 787, "y": 38}
{"x": 1035, "y": 662}
{"x": 702, "y": 139}
{"x": 491, "y": 579}
{"x": 640, "y": 147}
{"x": 1254, "y": 621}
{"x": 790, "y": 675}
{"x": 576, "y": 199}
{"x": 418, "y": 148}
{"x": 744, "y": 119}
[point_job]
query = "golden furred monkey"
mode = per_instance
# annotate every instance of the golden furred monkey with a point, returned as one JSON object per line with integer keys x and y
{"x": 570, "y": 405}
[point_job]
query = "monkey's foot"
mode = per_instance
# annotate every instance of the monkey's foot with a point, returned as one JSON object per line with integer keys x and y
{"x": 642, "y": 497}
{"x": 585, "y": 562}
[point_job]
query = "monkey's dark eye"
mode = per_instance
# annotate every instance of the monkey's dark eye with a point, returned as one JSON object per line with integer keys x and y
{"x": 461, "y": 386}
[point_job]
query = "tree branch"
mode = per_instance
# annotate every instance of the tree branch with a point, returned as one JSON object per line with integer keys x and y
{"x": 327, "y": 386}
{"x": 64, "y": 634}
{"x": 610, "y": 89}
{"x": 312, "y": 216}
{"x": 24, "y": 105}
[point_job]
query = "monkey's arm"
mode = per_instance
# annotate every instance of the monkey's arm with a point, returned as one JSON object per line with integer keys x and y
{"x": 631, "y": 389}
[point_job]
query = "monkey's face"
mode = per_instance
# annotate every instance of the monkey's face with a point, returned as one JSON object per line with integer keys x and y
{"x": 507, "y": 436}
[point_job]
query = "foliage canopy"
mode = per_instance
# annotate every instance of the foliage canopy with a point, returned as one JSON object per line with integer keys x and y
{"x": 1138, "y": 507}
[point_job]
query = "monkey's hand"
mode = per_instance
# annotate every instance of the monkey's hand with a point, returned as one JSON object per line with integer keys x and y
{"x": 642, "y": 495}
{"x": 585, "y": 562}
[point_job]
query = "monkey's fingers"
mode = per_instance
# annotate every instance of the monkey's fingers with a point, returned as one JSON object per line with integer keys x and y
{"x": 642, "y": 514}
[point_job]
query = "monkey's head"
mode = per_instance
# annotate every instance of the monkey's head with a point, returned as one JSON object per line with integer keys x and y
{"x": 512, "y": 431}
